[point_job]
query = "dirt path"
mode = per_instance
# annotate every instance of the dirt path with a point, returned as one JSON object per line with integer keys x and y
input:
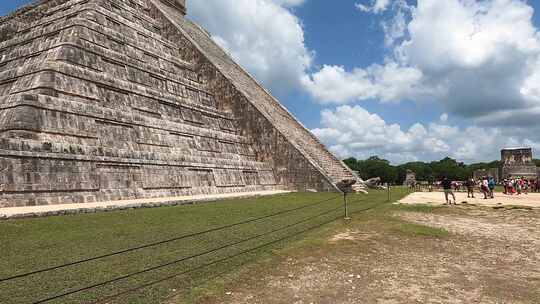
{"x": 491, "y": 256}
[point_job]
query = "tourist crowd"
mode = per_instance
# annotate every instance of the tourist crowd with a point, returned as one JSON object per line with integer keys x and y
{"x": 520, "y": 186}
{"x": 486, "y": 185}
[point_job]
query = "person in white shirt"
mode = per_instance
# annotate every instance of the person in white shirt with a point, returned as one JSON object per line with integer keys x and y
{"x": 485, "y": 187}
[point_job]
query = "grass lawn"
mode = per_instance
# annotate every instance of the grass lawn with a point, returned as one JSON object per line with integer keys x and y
{"x": 32, "y": 244}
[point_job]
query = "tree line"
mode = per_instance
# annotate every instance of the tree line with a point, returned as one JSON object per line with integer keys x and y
{"x": 432, "y": 171}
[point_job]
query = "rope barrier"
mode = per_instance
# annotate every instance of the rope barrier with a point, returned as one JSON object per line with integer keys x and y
{"x": 180, "y": 260}
{"x": 143, "y": 286}
{"x": 162, "y": 242}
{"x": 132, "y": 290}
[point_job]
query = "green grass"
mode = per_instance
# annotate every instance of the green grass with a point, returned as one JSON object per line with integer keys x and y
{"x": 30, "y": 244}
{"x": 418, "y": 208}
{"x": 419, "y": 230}
{"x": 395, "y": 225}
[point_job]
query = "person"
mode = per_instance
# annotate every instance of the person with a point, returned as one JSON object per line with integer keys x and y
{"x": 518, "y": 186}
{"x": 470, "y": 187}
{"x": 484, "y": 186}
{"x": 491, "y": 186}
{"x": 505, "y": 186}
{"x": 446, "y": 183}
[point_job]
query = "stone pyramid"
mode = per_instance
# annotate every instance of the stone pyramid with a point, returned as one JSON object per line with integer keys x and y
{"x": 123, "y": 99}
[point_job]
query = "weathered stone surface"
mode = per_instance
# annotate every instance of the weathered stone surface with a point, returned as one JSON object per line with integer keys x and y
{"x": 106, "y": 100}
{"x": 517, "y": 163}
{"x": 374, "y": 183}
{"x": 410, "y": 178}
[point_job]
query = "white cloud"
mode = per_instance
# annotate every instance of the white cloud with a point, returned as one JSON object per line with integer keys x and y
{"x": 478, "y": 59}
{"x": 262, "y": 35}
{"x": 376, "y": 6}
{"x": 353, "y": 131}
{"x": 444, "y": 117}
{"x": 396, "y": 28}
{"x": 289, "y": 3}
{"x": 333, "y": 84}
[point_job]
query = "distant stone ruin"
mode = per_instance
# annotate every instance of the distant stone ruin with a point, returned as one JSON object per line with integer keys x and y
{"x": 108, "y": 100}
{"x": 410, "y": 179}
{"x": 515, "y": 163}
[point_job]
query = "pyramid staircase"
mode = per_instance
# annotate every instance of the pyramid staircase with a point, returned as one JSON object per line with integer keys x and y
{"x": 303, "y": 140}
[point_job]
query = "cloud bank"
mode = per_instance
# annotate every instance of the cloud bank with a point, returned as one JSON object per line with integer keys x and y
{"x": 259, "y": 34}
{"x": 353, "y": 131}
{"x": 477, "y": 60}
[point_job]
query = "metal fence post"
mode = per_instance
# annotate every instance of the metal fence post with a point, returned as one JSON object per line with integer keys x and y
{"x": 345, "y": 204}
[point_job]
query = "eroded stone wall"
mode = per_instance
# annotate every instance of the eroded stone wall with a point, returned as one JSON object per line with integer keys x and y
{"x": 290, "y": 167}
{"x": 299, "y": 158}
{"x": 97, "y": 104}
{"x": 518, "y": 163}
{"x": 108, "y": 100}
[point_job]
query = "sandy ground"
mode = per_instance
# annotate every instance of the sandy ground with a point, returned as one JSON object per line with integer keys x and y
{"x": 33, "y": 210}
{"x": 491, "y": 256}
{"x": 437, "y": 198}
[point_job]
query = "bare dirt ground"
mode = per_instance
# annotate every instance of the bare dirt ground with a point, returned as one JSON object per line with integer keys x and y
{"x": 489, "y": 256}
{"x": 437, "y": 198}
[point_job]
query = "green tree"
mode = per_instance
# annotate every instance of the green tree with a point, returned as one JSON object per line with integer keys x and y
{"x": 423, "y": 171}
{"x": 352, "y": 163}
{"x": 378, "y": 167}
{"x": 450, "y": 168}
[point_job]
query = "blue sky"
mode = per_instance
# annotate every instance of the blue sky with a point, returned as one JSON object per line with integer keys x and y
{"x": 405, "y": 80}
{"x": 346, "y": 36}
{"x": 8, "y": 6}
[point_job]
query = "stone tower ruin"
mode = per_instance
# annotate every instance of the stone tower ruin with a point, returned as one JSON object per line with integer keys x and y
{"x": 120, "y": 99}
{"x": 518, "y": 163}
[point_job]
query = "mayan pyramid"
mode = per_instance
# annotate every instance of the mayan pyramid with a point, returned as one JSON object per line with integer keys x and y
{"x": 122, "y": 99}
